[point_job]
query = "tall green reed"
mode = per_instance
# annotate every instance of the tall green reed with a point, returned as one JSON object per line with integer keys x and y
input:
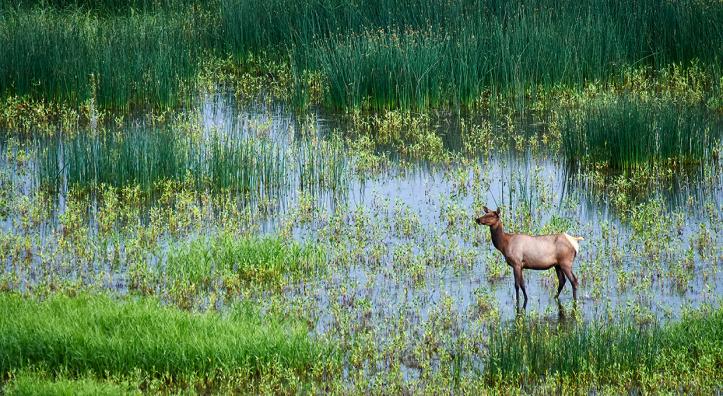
{"x": 146, "y": 156}
{"x": 120, "y": 62}
{"x": 527, "y": 351}
{"x": 626, "y": 132}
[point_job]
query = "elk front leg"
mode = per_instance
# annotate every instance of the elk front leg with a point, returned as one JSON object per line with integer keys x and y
{"x": 520, "y": 284}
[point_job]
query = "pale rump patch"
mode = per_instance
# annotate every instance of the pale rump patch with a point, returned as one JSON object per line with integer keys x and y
{"x": 573, "y": 241}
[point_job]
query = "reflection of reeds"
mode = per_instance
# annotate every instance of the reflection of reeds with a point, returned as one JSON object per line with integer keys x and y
{"x": 624, "y": 133}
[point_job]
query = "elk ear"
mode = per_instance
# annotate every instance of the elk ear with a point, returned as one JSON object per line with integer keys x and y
{"x": 497, "y": 211}
{"x": 486, "y": 209}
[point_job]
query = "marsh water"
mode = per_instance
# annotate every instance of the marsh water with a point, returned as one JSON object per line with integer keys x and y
{"x": 401, "y": 240}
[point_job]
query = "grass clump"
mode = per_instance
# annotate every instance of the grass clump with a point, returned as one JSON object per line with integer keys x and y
{"x": 98, "y": 335}
{"x": 145, "y": 157}
{"x": 624, "y": 133}
{"x": 528, "y": 351}
{"x": 119, "y": 62}
{"x": 38, "y": 383}
{"x": 249, "y": 259}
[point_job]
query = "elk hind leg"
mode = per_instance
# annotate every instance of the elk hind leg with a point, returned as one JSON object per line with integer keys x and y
{"x": 560, "y": 280}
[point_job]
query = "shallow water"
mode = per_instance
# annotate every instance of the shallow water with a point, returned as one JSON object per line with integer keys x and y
{"x": 446, "y": 253}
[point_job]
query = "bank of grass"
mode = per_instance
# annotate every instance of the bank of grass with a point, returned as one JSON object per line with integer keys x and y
{"x": 623, "y": 353}
{"x": 624, "y": 132}
{"x": 95, "y": 334}
{"x": 27, "y": 383}
{"x": 268, "y": 260}
{"x": 372, "y": 53}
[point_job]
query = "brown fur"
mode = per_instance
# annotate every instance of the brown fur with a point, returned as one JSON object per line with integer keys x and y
{"x": 533, "y": 252}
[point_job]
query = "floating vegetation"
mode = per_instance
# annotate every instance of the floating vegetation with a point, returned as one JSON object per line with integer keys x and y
{"x": 624, "y": 133}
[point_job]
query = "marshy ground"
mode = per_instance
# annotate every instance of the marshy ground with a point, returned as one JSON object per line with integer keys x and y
{"x": 290, "y": 208}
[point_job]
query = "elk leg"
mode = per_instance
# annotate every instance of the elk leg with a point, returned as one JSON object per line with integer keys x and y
{"x": 573, "y": 281}
{"x": 560, "y": 280}
{"x": 521, "y": 282}
{"x": 517, "y": 289}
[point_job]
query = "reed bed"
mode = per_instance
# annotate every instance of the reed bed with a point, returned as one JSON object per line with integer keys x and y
{"x": 120, "y": 62}
{"x": 624, "y": 133}
{"x": 433, "y": 53}
{"x": 322, "y": 164}
{"x": 95, "y": 334}
{"x": 377, "y": 53}
{"x": 145, "y": 157}
{"x": 263, "y": 260}
{"x": 527, "y": 351}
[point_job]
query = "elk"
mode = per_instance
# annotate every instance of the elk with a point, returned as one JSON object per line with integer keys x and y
{"x": 540, "y": 252}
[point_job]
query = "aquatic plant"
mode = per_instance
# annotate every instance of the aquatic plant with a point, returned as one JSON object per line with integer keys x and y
{"x": 256, "y": 260}
{"x": 624, "y": 133}
{"x": 525, "y": 351}
{"x": 146, "y": 157}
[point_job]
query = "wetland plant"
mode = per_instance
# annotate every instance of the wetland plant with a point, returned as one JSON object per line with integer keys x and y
{"x": 625, "y": 133}
{"x": 525, "y": 351}
{"x": 263, "y": 260}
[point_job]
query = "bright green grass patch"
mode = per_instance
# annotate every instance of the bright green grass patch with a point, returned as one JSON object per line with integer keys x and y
{"x": 31, "y": 383}
{"x": 608, "y": 352}
{"x": 624, "y": 132}
{"x": 98, "y": 335}
{"x": 244, "y": 259}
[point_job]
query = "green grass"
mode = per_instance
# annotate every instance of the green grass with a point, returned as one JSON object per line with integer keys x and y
{"x": 377, "y": 53}
{"x": 624, "y": 133}
{"x": 31, "y": 383}
{"x": 527, "y": 351}
{"x": 98, "y": 335}
{"x": 122, "y": 61}
{"x": 386, "y": 54}
{"x": 144, "y": 157}
{"x": 266, "y": 260}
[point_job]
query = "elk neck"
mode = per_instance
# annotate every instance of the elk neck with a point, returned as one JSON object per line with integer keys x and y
{"x": 499, "y": 238}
